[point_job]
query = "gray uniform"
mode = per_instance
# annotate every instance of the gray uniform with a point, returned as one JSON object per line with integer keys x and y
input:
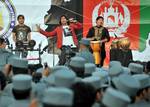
{"x": 6, "y": 96}
{"x": 39, "y": 90}
{"x": 87, "y": 55}
{"x": 4, "y": 56}
{"x": 96, "y": 104}
{"x": 141, "y": 103}
{"x": 20, "y": 103}
{"x": 5, "y": 100}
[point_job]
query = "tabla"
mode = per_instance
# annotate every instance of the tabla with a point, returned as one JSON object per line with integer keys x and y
{"x": 95, "y": 45}
{"x": 124, "y": 43}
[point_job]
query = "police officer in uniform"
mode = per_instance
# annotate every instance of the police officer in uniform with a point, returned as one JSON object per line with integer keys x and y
{"x": 84, "y": 51}
{"x": 5, "y": 56}
{"x": 21, "y": 89}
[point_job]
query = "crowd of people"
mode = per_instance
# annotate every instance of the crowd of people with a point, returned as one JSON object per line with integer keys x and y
{"x": 77, "y": 82}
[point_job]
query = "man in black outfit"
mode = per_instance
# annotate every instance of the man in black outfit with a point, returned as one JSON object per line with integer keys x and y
{"x": 97, "y": 33}
{"x": 21, "y": 34}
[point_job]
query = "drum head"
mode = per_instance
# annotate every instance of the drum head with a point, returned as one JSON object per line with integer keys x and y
{"x": 95, "y": 41}
{"x": 95, "y": 45}
{"x": 124, "y": 43}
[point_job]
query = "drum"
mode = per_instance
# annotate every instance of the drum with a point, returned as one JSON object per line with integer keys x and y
{"x": 95, "y": 45}
{"x": 114, "y": 44}
{"x": 124, "y": 43}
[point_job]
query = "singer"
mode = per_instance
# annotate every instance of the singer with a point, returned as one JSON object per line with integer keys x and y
{"x": 65, "y": 33}
{"x": 99, "y": 33}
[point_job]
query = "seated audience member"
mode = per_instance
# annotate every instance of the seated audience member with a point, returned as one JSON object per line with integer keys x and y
{"x": 115, "y": 69}
{"x": 58, "y": 97}
{"x": 143, "y": 95}
{"x": 136, "y": 68}
{"x": 61, "y": 78}
{"x": 84, "y": 50}
{"x": 84, "y": 94}
{"x": 19, "y": 66}
{"x": 89, "y": 68}
{"x": 77, "y": 65}
{"x": 21, "y": 89}
{"x": 2, "y": 80}
{"x": 127, "y": 84}
{"x": 115, "y": 98}
{"x": 37, "y": 77}
{"x": 147, "y": 68}
{"x": 96, "y": 82}
{"x": 5, "y": 56}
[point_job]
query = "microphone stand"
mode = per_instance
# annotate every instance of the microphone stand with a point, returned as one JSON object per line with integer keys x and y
{"x": 53, "y": 52}
{"x": 51, "y": 39}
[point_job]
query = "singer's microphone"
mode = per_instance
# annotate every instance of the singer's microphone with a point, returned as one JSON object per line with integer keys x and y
{"x": 115, "y": 35}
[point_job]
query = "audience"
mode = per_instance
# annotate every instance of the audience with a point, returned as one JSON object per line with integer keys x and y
{"x": 147, "y": 68}
{"x": 84, "y": 94}
{"x": 21, "y": 89}
{"x": 5, "y": 56}
{"x": 2, "y": 80}
{"x": 78, "y": 84}
{"x": 84, "y": 51}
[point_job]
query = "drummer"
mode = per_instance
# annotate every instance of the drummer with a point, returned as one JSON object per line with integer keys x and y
{"x": 99, "y": 33}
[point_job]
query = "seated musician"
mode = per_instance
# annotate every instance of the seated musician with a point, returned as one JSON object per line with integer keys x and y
{"x": 101, "y": 34}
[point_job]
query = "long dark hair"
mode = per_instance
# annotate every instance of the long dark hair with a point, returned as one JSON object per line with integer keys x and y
{"x": 66, "y": 19}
